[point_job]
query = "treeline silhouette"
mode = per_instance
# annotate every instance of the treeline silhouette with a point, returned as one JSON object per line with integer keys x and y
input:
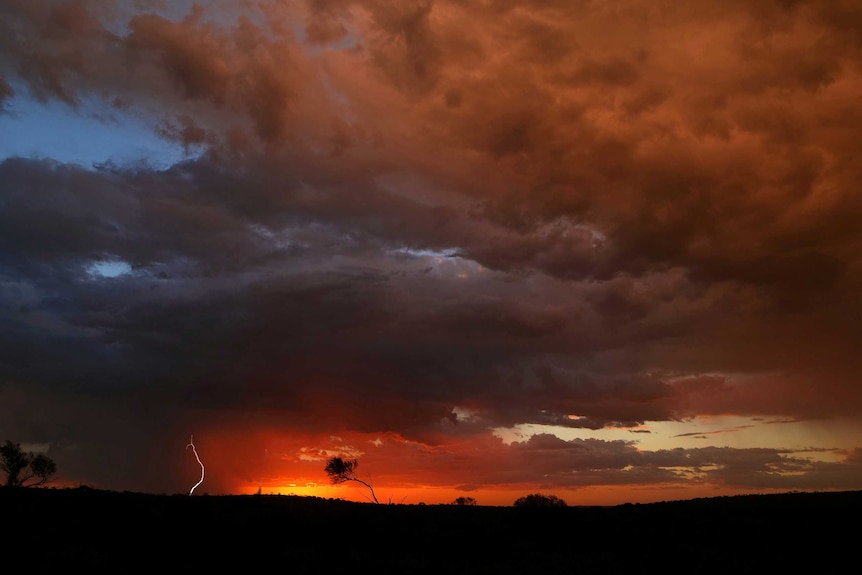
{"x": 132, "y": 532}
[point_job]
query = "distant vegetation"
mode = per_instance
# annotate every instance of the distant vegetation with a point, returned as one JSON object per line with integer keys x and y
{"x": 341, "y": 470}
{"x": 539, "y": 500}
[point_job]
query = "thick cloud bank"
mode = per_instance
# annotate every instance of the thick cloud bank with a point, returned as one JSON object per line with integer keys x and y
{"x": 419, "y": 222}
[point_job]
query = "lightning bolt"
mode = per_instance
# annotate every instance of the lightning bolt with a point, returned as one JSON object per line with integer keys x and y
{"x": 195, "y": 451}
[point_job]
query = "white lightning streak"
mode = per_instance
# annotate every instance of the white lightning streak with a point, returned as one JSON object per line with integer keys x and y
{"x": 195, "y": 451}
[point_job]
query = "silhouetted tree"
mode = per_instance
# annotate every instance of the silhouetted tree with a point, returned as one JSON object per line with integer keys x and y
{"x": 539, "y": 500}
{"x": 21, "y": 467}
{"x": 466, "y": 501}
{"x": 341, "y": 470}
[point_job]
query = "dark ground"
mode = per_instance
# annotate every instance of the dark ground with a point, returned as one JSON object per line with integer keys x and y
{"x": 45, "y": 530}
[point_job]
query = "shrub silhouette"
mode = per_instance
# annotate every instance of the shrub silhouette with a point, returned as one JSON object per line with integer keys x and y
{"x": 466, "y": 501}
{"x": 21, "y": 467}
{"x": 539, "y": 500}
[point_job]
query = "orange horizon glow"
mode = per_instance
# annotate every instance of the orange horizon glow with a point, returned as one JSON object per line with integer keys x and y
{"x": 263, "y": 461}
{"x": 499, "y": 497}
{"x": 602, "y": 496}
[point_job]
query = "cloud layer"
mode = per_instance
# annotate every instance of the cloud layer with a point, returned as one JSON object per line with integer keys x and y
{"x": 417, "y": 222}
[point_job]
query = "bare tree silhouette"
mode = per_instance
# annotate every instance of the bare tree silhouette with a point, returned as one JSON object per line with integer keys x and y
{"x": 341, "y": 470}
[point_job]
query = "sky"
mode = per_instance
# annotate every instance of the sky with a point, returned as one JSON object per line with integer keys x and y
{"x": 604, "y": 250}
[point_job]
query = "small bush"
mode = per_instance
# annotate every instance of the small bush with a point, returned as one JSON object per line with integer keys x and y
{"x": 539, "y": 500}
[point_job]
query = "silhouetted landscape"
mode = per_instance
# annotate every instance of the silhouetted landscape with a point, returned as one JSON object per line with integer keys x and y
{"x": 49, "y": 529}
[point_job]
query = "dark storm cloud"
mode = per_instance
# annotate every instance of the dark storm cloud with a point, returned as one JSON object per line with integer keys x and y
{"x": 553, "y": 213}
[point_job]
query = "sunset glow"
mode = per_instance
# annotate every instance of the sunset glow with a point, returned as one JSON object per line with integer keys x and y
{"x": 608, "y": 251}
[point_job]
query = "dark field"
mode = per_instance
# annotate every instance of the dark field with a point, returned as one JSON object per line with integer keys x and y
{"x": 46, "y": 530}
